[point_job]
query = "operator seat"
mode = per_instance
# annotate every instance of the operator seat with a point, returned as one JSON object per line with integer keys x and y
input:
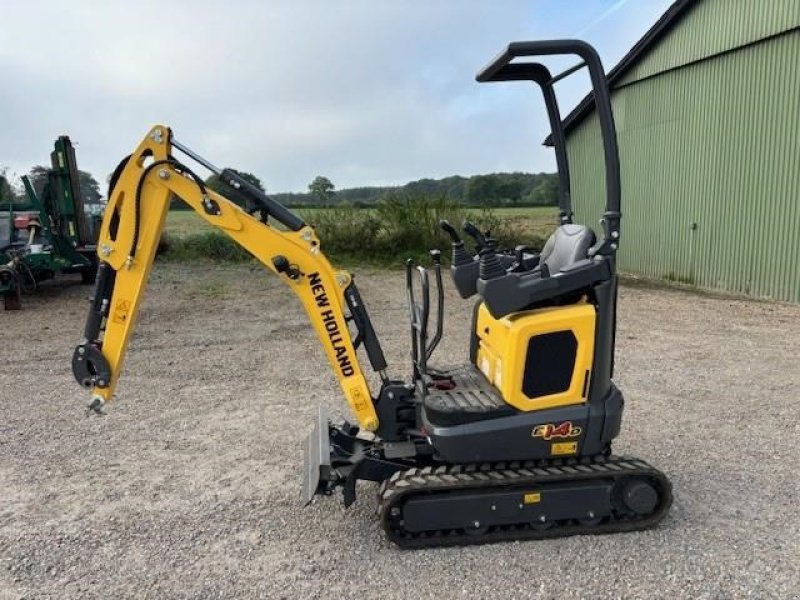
{"x": 567, "y": 245}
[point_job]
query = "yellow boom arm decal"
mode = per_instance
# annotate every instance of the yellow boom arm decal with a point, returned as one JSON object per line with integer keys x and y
{"x": 294, "y": 255}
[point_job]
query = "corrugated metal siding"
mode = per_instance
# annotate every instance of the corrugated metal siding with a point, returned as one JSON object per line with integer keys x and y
{"x": 714, "y": 26}
{"x": 716, "y": 144}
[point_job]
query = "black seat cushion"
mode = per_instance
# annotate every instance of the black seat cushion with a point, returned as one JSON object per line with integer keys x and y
{"x": 568, "y": 244}
{"x": 462, "y": 395}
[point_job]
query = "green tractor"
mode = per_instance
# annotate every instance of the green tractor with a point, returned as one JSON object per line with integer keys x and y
{"x": 53, "y": 233}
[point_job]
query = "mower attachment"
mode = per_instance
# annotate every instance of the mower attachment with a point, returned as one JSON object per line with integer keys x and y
{"x": 317, "y": 460}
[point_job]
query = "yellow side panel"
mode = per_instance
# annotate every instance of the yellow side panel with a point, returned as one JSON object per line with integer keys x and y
{"x": 503, "y": 346}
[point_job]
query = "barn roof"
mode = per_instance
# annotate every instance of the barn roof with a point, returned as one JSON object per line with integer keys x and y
{"x": 661, "y": 27}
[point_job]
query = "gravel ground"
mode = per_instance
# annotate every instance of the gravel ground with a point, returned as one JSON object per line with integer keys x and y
{"x": 189, "y": 487}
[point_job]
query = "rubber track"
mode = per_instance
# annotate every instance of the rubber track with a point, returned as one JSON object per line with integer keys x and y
{"x": 404, "y": 485}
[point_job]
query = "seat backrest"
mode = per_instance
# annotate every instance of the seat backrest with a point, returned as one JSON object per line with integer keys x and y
{"x": 568, "y": 244}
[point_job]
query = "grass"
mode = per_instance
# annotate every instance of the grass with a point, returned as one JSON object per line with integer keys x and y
{"x": 181, "y": 223}
{"x": 402, "y": 227}
{"x": 212, "y": 289}
{"x": 537, "y": 221}
{"x": 534, "y": 219}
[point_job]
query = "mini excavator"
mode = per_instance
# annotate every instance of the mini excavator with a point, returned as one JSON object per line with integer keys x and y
{"x": 515, "y": 443}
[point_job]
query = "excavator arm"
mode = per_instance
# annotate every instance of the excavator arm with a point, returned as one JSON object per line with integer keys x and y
{"x": 132, "y": 225}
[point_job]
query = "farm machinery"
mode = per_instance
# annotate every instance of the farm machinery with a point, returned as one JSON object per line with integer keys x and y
{"x": 50, "y": 234}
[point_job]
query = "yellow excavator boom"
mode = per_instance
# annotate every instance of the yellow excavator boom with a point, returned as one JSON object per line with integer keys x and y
{"x": 131, "y": 229}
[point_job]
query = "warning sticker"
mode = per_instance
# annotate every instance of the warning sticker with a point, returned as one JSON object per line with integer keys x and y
{"x": 121, "y": 310}
{"x": 533, "y": 498}
{"x": 562, "y": 448}
{"x": 359, "y": 402}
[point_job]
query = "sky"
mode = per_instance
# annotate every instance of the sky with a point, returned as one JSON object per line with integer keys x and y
{"x": 364, "y": 92}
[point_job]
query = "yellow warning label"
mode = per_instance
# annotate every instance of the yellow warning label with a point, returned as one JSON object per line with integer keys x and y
{"x": 363, "y": 408}
{"x": 120, "y": 314}
{"x": 533, "y": 498}
{"x": 359, "y": 403}
{"x": 561, "y": 448}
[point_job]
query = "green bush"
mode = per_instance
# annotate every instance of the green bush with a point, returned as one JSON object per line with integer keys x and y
{"x": 401, "y": 226}
{"x": 208, "y": 245}
{"x": 345, "y": 230}
{"x": 404, "y": 226}
{"x": 410, "y": 222}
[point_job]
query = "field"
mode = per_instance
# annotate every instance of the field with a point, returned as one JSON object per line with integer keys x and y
{"x": 189, "y": 487}
{"x": 538, "y": 220}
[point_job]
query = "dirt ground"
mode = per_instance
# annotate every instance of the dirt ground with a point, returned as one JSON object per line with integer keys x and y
{"x": 189, "y": 487}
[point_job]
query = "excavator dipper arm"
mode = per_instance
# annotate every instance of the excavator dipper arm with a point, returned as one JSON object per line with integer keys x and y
{"x": 132, "y": 226}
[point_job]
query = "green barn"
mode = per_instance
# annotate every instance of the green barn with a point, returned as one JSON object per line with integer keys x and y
{"x": 707, "y": 108}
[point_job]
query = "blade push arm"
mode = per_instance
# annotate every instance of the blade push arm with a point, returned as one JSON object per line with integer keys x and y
{"x": 132, "y": 226}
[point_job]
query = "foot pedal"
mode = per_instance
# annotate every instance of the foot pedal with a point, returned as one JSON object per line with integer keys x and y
{"x": 317, "y": 460}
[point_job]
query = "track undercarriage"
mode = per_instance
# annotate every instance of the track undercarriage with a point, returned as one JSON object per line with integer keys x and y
{"x": 423, "y": 502}
{"x": 481, "y": 503}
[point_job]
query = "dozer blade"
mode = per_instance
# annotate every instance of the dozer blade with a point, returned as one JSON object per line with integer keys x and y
{"x": 317, "y": 460}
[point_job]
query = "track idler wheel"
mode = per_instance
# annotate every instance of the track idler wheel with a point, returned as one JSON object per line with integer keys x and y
{"x": 640, "y": 497}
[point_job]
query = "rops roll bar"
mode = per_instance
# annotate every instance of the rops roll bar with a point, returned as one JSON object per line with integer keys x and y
{"x": 503, "y": 69}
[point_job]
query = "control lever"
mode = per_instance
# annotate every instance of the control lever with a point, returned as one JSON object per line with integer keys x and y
{"x": 419, "y": 316}
{"x": 519, "y": 259}
{"x": 437, "y": 269}
{"x": 460, "y": 255}
{"x": 490, "y": 266}
{"x": 471, "y": 230}
{"x": 451, "y": 231}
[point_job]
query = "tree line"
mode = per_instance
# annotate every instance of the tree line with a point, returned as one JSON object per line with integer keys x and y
{"x": 494, "y": 189}
{"x": 15, "y": 194}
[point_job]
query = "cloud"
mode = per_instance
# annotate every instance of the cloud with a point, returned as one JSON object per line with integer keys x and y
{"x": 602, "y": 17}
{"x": 363, "y": 92}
